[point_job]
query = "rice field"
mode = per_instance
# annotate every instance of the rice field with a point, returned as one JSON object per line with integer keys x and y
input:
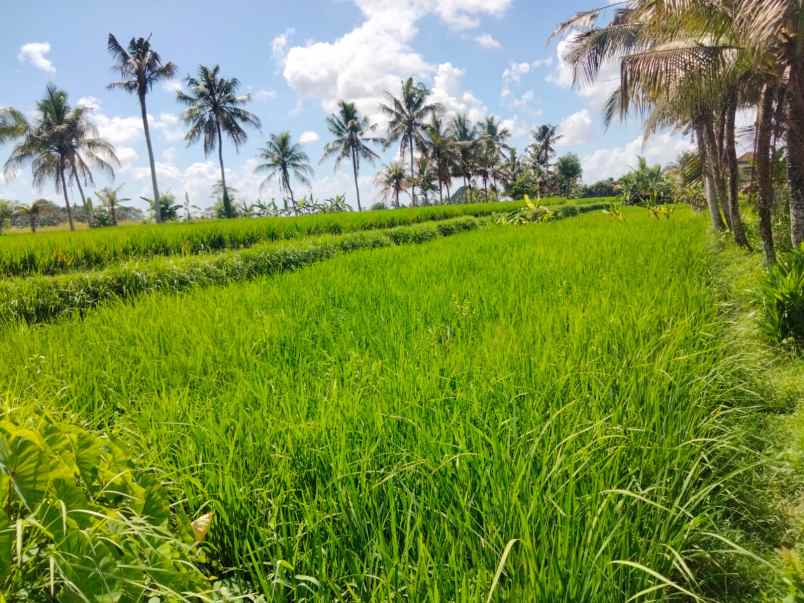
{"x": 516, "y": 413}
{"x": 55, "y": 252}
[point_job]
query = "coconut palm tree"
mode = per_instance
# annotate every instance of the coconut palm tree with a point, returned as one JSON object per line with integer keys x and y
{"x": 494, "y": 142}
{"x": 392, "y": 181}
{"x": 281, "y": 158}
{"x": 109, "y": 198}
{"x": 140, "y": 67}
{"x": 350, "y": 130}
{"x": 33, "y": 212}
{"x": 465, "y": 135}
{"x": 61, "y": 142}
{"x": 213, "y": 109}
{"x": 12, "y": 124}
{"x": 407, "y": 119}
{"x": 444, "y": 153}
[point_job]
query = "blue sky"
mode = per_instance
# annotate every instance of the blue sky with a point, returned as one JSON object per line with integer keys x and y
{"x": 298, "y": 59}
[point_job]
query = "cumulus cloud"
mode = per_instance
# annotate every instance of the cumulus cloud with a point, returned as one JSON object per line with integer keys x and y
{"x": 279, "y": 45}
{"x": 127, "y": 157}
{"x": 309, "y": 137}
{"x": 35, "y": 53}
{"x": 488, "y": 41}
{"x": 576, "y": 129}
{"x": 372, "y": 58}
{"x": 90, "y": 102}
{"x": 171, "y": 86}
{"x": 614, "y": 162}
{"x": 448, "y": 91}
{"x": 263, "y": 95}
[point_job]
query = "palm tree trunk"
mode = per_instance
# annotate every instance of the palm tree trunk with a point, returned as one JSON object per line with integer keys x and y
{"x": 412, "y": 173}
{"x": 709, "y": 188}
{"x": 795, "y": 154}
{"x": 357, "y": 188}
{"x": 227, "y": 203}
{"x": 157, "y": 204}
{"x": 764, "y": 183}
{"x": 113, "y": 211}
{"x": 66, "y": 199}
{"x": 734, "y": 175}
{"x": 449, "y": 194}
{"x": 717, "y": 185}
{"x": 87, "y": 206}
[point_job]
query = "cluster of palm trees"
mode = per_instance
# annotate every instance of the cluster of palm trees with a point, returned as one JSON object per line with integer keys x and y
{"x": 62, "y": 144}
{"x": 693, "y": 65}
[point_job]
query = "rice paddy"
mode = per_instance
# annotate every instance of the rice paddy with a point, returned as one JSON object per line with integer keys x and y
{"x": 515, "y": 413}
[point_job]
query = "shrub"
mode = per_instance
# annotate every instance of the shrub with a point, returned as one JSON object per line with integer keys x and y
{"x": 79, "y": 521}
{"x": 783, "y": 300}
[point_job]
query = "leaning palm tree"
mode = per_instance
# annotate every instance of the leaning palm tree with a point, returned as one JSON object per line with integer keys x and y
{"x": 351, "y": 142}
{"x": 281, "y": 158}
{"x": 392, "y": 181}
{"x": 140, "y": 67}
{"x": 61, "y": 142}
{"x": 407, "y": 119}
{"x": 213, "y": 109}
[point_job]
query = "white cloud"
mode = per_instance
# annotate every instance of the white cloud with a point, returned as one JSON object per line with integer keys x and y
{"x": 118, "y": 130}
{"x": 279, "y": 45}
{"x": 36, "y": 53}
{"x": 90, "y": 102}
{"x": 448, "y": 91}
{"x": 372, "y": 58}
{"x": 488, "y": 41}
{"x": 171, "y": 86}
{"x": 309, "y": 137}
{"x": 614, "y": 162}
{"x": 127, "y": 157}
{"x": 513, "y": 74}
{"x": 576, "y": 129}
{"x": 263, "y": 95}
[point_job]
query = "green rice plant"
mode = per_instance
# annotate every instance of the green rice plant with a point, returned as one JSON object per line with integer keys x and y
{"x": 783, "y": 300}
{"x": 535, "y": 414}
{"x": 79, "y": 522}
{"x": 38, "y": 299}
{"x": 61, "y": 251}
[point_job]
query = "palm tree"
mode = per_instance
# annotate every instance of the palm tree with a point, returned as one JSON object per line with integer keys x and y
{"x": 12, "y": 124}
{"x": 214, "y": 108}
{"x": 495, "y": 137}
{"x": 464, "y": 133}
{"x": 61, "y": 142}
{"x": 351, "y": 142}
{"x": 443, "y": 151}
{"x": 110, "y": 200}
{"x": 33, "y": 212}
{"x": 281, "y": 158}
{"x": 425, "y": 177}
{"x": 140, "y": 67}
{"x": 545, "y": 138}
{"x": 391, "y": 181}
{"x": 408, "y": 117}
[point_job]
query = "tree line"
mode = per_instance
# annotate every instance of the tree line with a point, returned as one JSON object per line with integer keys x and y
{"x": 63, "y": 147}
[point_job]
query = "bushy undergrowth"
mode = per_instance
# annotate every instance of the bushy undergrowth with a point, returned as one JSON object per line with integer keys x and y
{"x": 79, "y": 522}
{"x": 37, "y": 299}
{"x": 783, "y": 300}
{"x": 522, "y": 414}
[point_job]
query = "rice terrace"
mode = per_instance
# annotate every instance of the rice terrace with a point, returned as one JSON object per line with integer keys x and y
{"x": 402, "y": 301}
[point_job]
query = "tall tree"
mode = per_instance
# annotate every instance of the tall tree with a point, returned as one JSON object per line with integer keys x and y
{"x": 352, "y": 141}
{"x": 443, "y": 151}
{"x": 110, "y": 199}
{"x": 214, "y": 108}
{"x": 61, "y": 142}
{"x": 392, "y": 181}
{"x": 495, "y": 137}
{"x": 465, "y": 135}
{"x": 407, "y": 119}
{"x": 141, "y": 67}
{"x": 281, "y": 158}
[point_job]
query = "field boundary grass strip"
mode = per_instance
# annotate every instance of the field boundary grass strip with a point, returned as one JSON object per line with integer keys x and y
{"x": 45, "y": 298}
